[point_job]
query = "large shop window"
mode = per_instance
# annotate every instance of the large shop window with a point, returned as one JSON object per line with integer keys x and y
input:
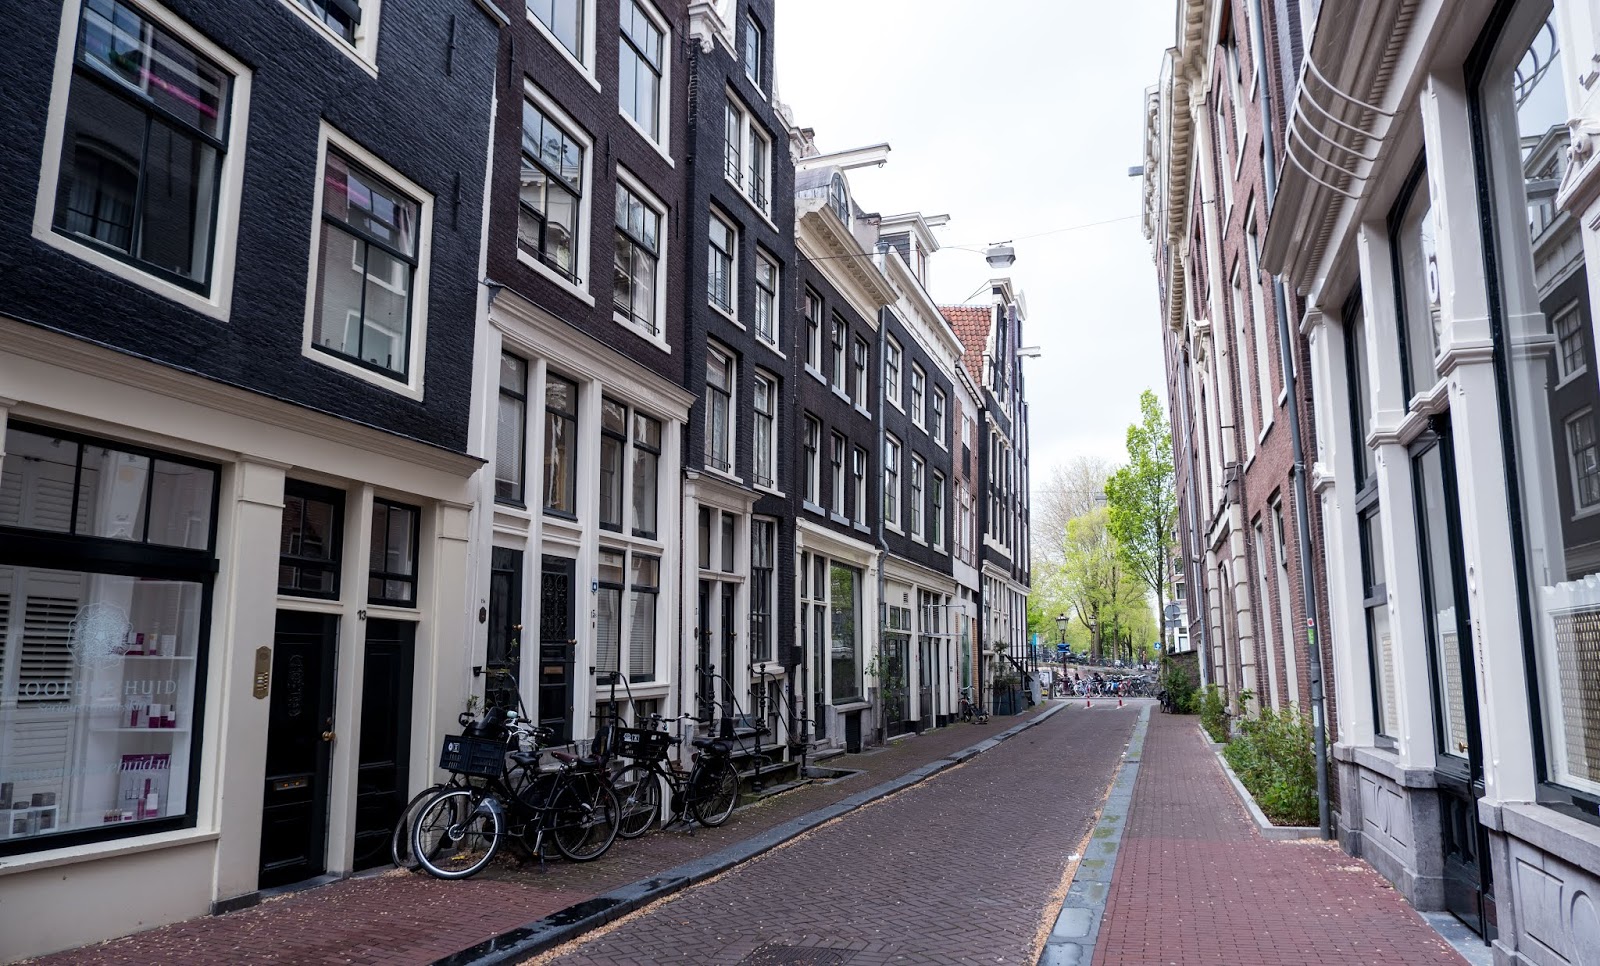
{"x": 106, "y": 564}
{"x": 1543, "y": 317}
{"x": 844, "y": 585}
{"x": 141, "y": 158}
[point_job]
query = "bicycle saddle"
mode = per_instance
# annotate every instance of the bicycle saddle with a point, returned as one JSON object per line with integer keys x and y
{"x": 715, "y": 744}
{"x": 588, "y": 760}
{"x": 525, "y": 759}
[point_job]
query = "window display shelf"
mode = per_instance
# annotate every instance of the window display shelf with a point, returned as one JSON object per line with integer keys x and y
{"x": 158, "y": 657}
{"x": 142, "y": 731}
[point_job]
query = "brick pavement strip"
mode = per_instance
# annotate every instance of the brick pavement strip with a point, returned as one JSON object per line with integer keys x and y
{"x": 404, "y": 918}
{"x": 956, "y": 869}
{"x": 1195, "y": 883}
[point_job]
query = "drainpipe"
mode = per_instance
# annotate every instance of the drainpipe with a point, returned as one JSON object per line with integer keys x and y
{"x": 883, "y": 540}
{"x": 1308, "y": 590}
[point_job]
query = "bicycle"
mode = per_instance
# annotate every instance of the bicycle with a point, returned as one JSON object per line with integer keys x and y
{"x": 971, "y": 711}
{"x": 504, "y": 793}
{"x": 708, "y": 792}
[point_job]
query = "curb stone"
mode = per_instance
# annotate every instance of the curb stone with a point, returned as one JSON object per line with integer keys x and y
{"x": 565, "y": 925}
{"x": 1077, "y": 927}
{"x": 1269, "y": 831}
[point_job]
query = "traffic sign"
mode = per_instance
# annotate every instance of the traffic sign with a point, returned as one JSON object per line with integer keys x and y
{"x": 1061, "y": 648}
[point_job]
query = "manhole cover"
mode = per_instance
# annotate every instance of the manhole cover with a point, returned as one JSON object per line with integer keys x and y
{"x": 777, "y": 954}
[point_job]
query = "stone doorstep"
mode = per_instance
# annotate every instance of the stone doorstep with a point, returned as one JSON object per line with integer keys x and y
{"x": 563, "y": 926}
{"x": 1077, "y": 927}
{"x": 1269, "y": 831}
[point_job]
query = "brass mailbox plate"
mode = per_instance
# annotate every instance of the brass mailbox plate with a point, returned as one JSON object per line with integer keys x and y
{"x": 263, "y": 675}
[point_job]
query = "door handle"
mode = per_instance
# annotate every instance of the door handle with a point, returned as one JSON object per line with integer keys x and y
{"x": 328, "y": 736}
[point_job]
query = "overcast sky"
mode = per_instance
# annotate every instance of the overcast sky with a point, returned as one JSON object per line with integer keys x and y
{"x": 1014, "y": 117}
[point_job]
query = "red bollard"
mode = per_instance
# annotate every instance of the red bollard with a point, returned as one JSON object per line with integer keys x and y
{"x": 1119, "y": 702}
{"x": 1087, "y": 703}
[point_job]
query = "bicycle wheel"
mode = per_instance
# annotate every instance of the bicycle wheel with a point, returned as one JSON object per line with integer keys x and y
{"x": 400, "y": 851}
{"x": 639, "y": 797}
{"x": 455, "y": 834}
{"x": 716, "y": 792}
{"x": 584, "y": 818}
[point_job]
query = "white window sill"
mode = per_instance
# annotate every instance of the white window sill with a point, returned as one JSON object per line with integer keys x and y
{"x": 1566, "y": 380}
{"x": 394, "y": 384}
{"x": 725, "y": 314}
{"x": 770, "y": 490}
{"x": 893, "y": 528}
{"x": 561, "y": 280}
{"x": 842, "y": 395}
{"x": 861, "y": 526}
{"x": 771, "y": 347}
{"x": 916, "y": 538}
{"x": 661, "y": 149}
{"x": 561, "y": 48}
{"x": 739, "y": 189}
{"x": 657, "y": 340}
{"x": 864, "y": 411}
{"x": 724, "y": 474}
{"x": 810, "y": 507}
{"x": 840, "y": 519}
{"x": 1586, "y": 512}
{"x": 55, "y": 858}
{"x": 363, "y": 57}
{"x": 816, "y": 374}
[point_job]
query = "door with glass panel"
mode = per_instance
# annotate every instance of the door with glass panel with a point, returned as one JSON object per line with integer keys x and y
{"x": 557, "y": 639}
{"x": 1458, "y": 771}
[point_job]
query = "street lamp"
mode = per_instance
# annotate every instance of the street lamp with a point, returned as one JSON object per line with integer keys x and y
{"x": 1061, "y": 642}
{"x": 1094, "y": 636}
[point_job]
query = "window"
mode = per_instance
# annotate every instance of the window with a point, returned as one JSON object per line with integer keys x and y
{"x": 836, "y": 477}
{"x": 1416, "y": 271}
{"x": 609, "y": 589}
{"x": 766, "y": 429}
{"x": 560, "y": 446}
{"x": 722, "y": 264}
{"x": 393, "y": 559}
{"x": 646, "y": 464}
{"x": 858, "y": 471}
{"x": 1570, "y": 356}
{"x": 1583, "y": 455}
{"x": 143, "y": 148}
{"x": 919, "y": 394}
{"x": 813, "y": 460}
{"x": 1550, "y": 392}
{"x": 813, "y": 309}
{"x": 342, "y": 17}
{"x": 1258, "y": 312}
{"x": 512, "y": 430}
{"x": 754, "y": 44}
{"x": 936, "y": 512}
{"x": 1355, "y": 336}
{"x": 309, "y": 540}
{"x": 839, "y": 199}
{"x": 553, "y": 165}
{"x": 766, "y": 299}
{"x": 1241, "y": 367}
{"x": 103, "y": 653}
{"x": 838, "y": 343}
{"x": 891, "y": 372}
{"x": 763, "y": 587}
{"x": 891, "y": 482}
{"x": 747, "y": 154}
{"x": 844, "y": 584}
{"x": 634, "y": 294}
{"x": 937, "y": 426}
{"x": 966, "y": 442}
{"x": 639, "y": 68}
{"x": 366, "y": 263}
{"x": 860, "y": 353}
{"x": 645, "y": 586}
{"x": 613, "y": 444}
{"x": 564, "y": 19}
{"x": 636, "y": 623}
{"x": 719, "y": 409}
{"x": 914, "y": 499}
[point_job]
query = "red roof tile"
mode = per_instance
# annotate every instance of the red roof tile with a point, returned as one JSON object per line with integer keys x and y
{"x": 971, "y": 325}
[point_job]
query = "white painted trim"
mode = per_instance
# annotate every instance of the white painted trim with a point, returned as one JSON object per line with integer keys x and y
{"x": 574, "y": 130}
{"x": 663, "y": 144}
{"x": 218, "y": 301}
{"x": 583, "y": 62}
{"x": 654, "y": 202}
{"x": 364, "y": 52}
{"x": 417, "y": 342}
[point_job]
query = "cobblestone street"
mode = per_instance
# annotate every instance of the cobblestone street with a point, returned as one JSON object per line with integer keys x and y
{"x": 959, "y": 869}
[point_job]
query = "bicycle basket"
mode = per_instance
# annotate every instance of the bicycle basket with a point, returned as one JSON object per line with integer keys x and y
{"x": 467, "y": 755}
{"x": 642, "y": 745}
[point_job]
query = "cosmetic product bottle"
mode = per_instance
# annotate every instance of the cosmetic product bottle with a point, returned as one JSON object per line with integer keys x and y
{"x": 154, "y": 713}
{"x": 152, "y": 806}
{"x": 138, "y": 644}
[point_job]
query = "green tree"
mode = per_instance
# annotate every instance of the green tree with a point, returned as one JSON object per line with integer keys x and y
{"x": 1143, "y": 501}
{"x": 1090, "y": 573}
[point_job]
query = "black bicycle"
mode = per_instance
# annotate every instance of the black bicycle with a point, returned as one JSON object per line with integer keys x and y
{"x": 971, "y": 711}
{"x": 499, "y": 790}
{"x": 708, "y": 791}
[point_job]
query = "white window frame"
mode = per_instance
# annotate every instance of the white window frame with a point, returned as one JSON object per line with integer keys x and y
{"x": 217, "y": 302}
{"x": 762, "y": 375}
{"x": 891, "y": 471}
{"x": 654, "y": 203}
{"x": 940, "y": 428}
{"x": 732, "y": 311}
{"x": 758, "y": 77}
{"x": 891, "y": 372}
{"x": 750, "y": 132}
{"x": 813, "y": 323}
{"x": 1565, "y": 375}
{"x": 580, "y": 260}
{"x": 839, "y": 348}
{"x": 861, "y": 367}
{"x": 412, "y": 386}
{"x": 1258, "y": 312}
{"x": 811, "y": 462}
{"x": 860, "y": 470}
{"x": 584, "y": 60}
{"x": 838, "y": 474}
{"x": 936, "y": 510}
{"x": 663, "y": 143}
{"x": 919, "y": 397}
{"x": 775, "y": 313}
{"x": 1241, "y": 367}
{"x": 914, "y": 502}
{"x": 1580, "y": 509}
{"x": 364, "y": 50}
{"x": 732, "y": 426}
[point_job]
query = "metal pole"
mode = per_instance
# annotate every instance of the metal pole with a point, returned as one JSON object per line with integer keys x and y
{"x": 1308, "y": 590}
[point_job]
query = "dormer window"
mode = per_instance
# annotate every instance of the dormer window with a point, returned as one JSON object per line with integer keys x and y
{"x": 839, "y": 199}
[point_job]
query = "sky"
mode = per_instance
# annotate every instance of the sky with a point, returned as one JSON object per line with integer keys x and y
{"x": 1014, "y": 117}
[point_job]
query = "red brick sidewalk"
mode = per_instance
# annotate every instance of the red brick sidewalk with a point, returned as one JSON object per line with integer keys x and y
{"x": 401, "y": 918}
{"x": 1194, "y": 882}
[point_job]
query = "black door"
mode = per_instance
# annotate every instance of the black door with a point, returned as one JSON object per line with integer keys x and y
{"x": 894, "y": 683}
{"x": 503, "y": 667}
{"x": 729, "y": 639}
{"x": 385, "y": 738}
{"x": 294, "y": 811}
{"x": 1468, "y": 886}
{"x": 705, "y": 684}
{"x": 556, "y": 643}
{"x": 926, "y": 713}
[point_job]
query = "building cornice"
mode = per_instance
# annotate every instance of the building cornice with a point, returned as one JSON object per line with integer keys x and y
{"x": 902, "y": 278}
{"x": 829, "y": 246}
{"x": 113, "y": 365}
{"x": 707, "y": 25}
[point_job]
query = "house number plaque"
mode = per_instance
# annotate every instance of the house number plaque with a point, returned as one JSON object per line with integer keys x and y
{"x": 263, "y": 675}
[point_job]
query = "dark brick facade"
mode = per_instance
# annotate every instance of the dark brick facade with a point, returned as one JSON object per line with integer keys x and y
{"x": 916, "y": 440}
{"x": 837, "y": 411}
{"x": 426, "y": 114}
